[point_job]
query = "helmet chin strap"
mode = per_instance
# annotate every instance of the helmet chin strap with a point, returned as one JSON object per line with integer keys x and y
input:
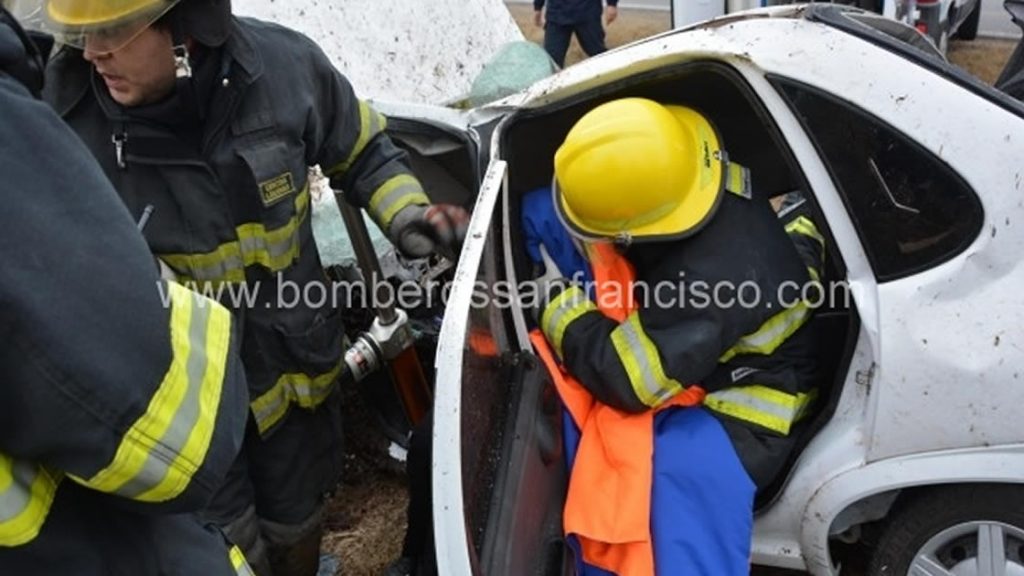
{"x": 183, "y": 82}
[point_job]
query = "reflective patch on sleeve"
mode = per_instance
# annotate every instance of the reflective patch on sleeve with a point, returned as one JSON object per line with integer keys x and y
{"x": 371, "y": 123}
{"x": 772, "y": 333}
{"x": 167, "y": 444}
{"x": 292, "y": 388}
{"x": 393, "y": 195}
{"x": 761, "y": 405}
{"x": 639, "y": 357}
{"x": 562, "y": 311}
{"x": 26, "y": 495}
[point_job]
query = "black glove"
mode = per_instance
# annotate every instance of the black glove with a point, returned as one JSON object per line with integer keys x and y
{"x": 420, "y": 230}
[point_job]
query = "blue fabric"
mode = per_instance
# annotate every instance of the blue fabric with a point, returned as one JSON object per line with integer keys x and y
{"x": 541, "y": 225}
{"x": 702, "y": 501}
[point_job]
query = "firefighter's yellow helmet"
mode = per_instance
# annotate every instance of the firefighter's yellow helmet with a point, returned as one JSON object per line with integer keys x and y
{"x": 634, "y": 169}
{"x": 109, "y": 24}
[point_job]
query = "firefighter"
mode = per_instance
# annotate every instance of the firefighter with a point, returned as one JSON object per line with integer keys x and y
{"x": 211, "y": 122}
{"x": 123, "y": 400}
{"x": 708, "y": 366}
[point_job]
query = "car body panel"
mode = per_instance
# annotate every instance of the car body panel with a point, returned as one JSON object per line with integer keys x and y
{"x": 887, "y": 428}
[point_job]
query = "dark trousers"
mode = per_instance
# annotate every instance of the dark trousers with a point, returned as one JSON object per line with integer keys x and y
{"x": 589, "y": 33}
{"x": 419, "y": 536}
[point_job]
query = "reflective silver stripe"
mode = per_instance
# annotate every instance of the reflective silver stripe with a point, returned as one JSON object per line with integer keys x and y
{"x": 562, "y": 311}
{"x": 772, "y": 333}
{"x": 393, "y": 195}
{"x": 14, "y": 499}
{"x": 371, "y": 123}
{"x": 761, "y": 405}
{"x": 164, "y": 447}
{"x": 26, "y": 494}
{"x": 301, "y": 389}
{"x": 166, "y": 450}
{"x": 275, "y": 249}
{"x": 225, "y": 264}
{"x": 639, "y": 357}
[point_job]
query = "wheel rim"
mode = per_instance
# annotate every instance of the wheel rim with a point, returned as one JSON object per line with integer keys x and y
{"x": 972, "y": 549}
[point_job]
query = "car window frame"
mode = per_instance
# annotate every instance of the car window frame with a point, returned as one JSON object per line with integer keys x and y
{"x": 969, "y": 236}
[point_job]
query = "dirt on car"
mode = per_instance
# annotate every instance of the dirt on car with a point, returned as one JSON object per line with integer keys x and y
{"x": 366, "y": 521}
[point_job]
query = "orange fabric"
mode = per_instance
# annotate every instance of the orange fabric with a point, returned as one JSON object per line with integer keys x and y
{"x": 608, "y": 506}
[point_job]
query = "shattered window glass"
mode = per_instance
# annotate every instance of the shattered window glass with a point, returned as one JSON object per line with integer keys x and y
{"x": 911, "y": 210}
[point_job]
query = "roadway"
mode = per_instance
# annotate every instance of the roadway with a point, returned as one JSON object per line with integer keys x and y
{"x": 995, "y": 22}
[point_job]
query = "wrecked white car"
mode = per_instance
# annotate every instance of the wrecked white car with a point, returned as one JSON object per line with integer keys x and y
{"x": 916, "y": 444}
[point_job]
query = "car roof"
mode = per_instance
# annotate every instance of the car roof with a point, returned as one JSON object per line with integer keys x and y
{"x": 830, "y": 41}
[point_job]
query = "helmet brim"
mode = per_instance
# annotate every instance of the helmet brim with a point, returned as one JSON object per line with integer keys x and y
{"x": 698, "y": 206}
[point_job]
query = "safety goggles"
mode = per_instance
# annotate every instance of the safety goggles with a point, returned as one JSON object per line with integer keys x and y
{"x": 96, "y": 25}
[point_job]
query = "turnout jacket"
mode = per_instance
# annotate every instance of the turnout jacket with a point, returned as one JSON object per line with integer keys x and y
{"x": 721, "y": 309}
{"x": 232, "y": 204}
{"x": 122, "y": 401}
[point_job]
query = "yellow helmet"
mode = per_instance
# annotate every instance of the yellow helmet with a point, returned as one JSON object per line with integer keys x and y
{"x": 633, "y": 169}
{"x": 110, "y": 24}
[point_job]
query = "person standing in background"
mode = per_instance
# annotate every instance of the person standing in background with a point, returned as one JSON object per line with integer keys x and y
{"x": 563, "y": 18}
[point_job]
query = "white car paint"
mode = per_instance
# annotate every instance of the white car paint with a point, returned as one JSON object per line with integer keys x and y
{"x": 912, "y": 412}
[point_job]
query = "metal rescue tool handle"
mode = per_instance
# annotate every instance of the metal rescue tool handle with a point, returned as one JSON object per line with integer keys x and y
{"x": 389, "y": 339}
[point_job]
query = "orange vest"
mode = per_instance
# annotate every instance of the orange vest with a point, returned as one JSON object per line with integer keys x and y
{"x": 608, "y": 506}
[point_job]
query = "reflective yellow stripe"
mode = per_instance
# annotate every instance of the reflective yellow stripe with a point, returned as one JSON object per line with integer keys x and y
{"x": 225, "y": 264}
{"x": 562, "y": 311}
{"x": 307, "y": 392}
{"x": 371, "y": 123}
{"x": 737, "y": 180}
{"x": 239, "y": 564}
{"x": 803, "y": 225}
{"x": 26, "y": 494}
{"x": 639, "y": 357}
{"x": 163, "y": 448}
{"x": 761, "y": 405}
{"x": 393, "y": 195}
{"x": 275, "y": 250}
{"x": 771, "y": 334}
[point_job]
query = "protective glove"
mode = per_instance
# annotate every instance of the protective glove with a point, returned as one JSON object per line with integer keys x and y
{"x": 547, "y": 286}
{"x": 420, "y": 230}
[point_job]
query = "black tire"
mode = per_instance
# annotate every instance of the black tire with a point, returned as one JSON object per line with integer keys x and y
{"x": 935, "y": 527}
{"x": 968, "y": 29}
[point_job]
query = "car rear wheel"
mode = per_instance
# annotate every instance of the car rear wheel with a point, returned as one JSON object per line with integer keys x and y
{"x": 970, "y": 530}
{"x": 968, "y": 30}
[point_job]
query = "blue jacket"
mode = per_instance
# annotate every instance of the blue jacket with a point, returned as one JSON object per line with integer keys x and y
{"x": 571, "y": 11}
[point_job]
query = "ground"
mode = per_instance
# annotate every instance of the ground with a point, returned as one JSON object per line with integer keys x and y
{"x": 367, "y": 519}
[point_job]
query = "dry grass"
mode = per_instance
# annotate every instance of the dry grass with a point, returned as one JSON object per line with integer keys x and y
{"x": 367, "y": 520}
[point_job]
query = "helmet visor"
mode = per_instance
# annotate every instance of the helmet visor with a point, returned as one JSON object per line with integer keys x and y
{"x": 96, "y": 25}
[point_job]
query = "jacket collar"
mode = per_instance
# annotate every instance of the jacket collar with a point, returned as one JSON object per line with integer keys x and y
{"x": 240, "y": 49}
